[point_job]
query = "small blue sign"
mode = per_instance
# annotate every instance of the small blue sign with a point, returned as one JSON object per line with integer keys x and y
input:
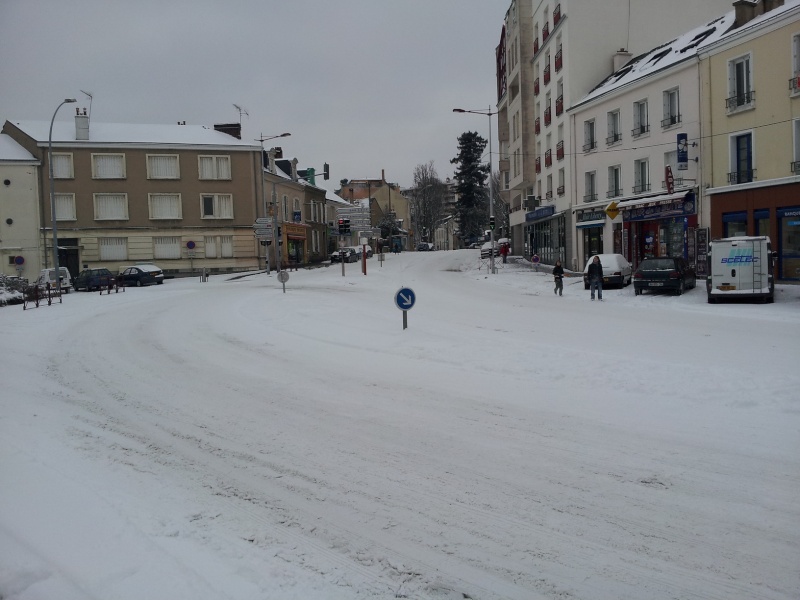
{"x": 405, "y": 298}
{"x": 683, "y": 151}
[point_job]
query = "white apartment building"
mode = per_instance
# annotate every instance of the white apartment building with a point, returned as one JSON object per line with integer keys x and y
{"x": 637, "y": 139}
{"x": 552, "y": 53}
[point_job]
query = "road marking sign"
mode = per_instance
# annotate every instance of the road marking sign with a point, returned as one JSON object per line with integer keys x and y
{"x": 405, "y": 298}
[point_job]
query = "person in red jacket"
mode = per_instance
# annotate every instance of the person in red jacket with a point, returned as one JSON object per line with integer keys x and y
{"x": 504, "y": 251}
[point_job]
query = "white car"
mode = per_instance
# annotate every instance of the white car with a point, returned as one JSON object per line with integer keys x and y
{"x": 486, "y": 249}
{"x": 47, "y": 278}
{"x": 616, "y": 270}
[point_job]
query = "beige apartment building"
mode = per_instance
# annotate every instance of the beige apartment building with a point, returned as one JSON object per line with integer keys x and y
{"x": 750, "y": 99}
{"x": 182, "y": 196}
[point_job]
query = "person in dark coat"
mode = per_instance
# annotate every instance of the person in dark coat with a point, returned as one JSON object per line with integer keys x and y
{"x": 504, "y": 252}
{"x": 558, "y": 276}
{"x": 595, "y": 274}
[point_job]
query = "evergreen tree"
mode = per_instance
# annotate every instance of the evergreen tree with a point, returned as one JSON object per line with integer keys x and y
{"x": 472, "y": 208}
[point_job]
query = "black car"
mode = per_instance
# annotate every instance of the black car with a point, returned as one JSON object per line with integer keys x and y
{"x": 671, "y": 274}
{"x": 93, "y": 279}
{"x": 140, "y": 275}
{"x": 348, "y": 253}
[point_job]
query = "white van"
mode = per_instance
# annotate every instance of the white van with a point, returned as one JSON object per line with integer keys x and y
{"x": 741, "y": 267}
{"x": 49, "y": 276}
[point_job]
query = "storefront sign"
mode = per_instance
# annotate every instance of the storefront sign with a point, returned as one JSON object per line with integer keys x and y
{"x": 591, "y": 215}
{"x": 683, "y": 152}
{"x": 670, "y": 179}
{"x": 540, "y": 213}
{"x": 677, "y": 208}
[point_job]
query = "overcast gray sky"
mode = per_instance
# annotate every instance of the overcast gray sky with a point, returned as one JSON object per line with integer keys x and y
{"x": 364, "y": 85}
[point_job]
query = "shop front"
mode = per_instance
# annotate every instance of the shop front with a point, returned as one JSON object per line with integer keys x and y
{"x": 546, "y": 234}
{"x": 661, "y": 226}
{"x": 590, "y": 225}
{"x": 296, "y": 238}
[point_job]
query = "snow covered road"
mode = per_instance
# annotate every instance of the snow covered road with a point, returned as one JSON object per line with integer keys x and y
{"x": 227, "y": 440}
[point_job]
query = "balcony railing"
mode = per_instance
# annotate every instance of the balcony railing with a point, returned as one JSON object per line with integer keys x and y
{"x": 590, "y": 145}
{"x": 795, "y": 166}
{"x": 742, "y": 176}
{"x": 640, "y": 130}
{"x": 676, "y": 182}
{"x": 536, "y": 45}
{"x": 538, "y": 164}
{"x": 556, "y": 14}
{"x": 613, "y": 138}
{"x": 670, "y": 120}
{"x": 547, "y": 74}
{"x": 560, "y": 190}
{"x": 537, "y": 126}
{"x": 590, "y": 198}
{"x": 559, "y": 105}
{"x": 559, "y": 61}
{"x": 613, "y": 193}
{"x": 549, "y": 195}
{"x": 641, "y": 188}
{"x": 545, "y": 32}
{"x": 536, "y": 87}
{"x": 547, "y": 116}
{"x": 560, "y": 151}
{"x": 739, "y": 101}
{"x": 548, "y": 158}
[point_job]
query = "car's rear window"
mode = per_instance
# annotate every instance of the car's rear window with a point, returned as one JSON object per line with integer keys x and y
{"x": 658, "y": 264}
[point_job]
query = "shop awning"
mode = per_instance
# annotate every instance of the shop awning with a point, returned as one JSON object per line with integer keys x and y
{"x": 597, "y": 223}
{"x": 653, "y": 200}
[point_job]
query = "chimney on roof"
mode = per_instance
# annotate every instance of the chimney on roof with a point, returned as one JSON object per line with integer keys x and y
{"x": 771, "y": 5}
{"x": 234, "y": 129}
{"x": 620, "y": 59}
{"x": 746, "y": 11}
{"x": 294, "y": 169}
{"x": 81, "y": 125}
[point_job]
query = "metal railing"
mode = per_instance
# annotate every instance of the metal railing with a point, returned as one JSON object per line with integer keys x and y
{"x": 743, "y": 100}
{"x": 743, "y": 176}
{"x": 670, "y": 120}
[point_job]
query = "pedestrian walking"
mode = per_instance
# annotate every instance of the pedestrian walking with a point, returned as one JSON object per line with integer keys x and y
{"x": 558, "y": 276}
{"x": 504, "y": 252}
{"x": 595, "y": 274}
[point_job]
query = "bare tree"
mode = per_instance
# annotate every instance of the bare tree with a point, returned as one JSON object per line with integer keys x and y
{"x": 428, "y": 201}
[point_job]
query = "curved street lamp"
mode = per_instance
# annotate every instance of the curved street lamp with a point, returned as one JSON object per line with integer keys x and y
{"x": 489, "y": 114}
{"x": 52, "y": 194}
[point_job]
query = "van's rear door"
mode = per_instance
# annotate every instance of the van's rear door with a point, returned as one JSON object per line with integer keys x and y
{"x": 737, "y": 266}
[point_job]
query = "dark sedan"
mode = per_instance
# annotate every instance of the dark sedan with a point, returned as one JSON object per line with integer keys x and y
{"x": 140, "y": 275}
{"x": 93, "y": 279}
{"x": 672, "y": 274}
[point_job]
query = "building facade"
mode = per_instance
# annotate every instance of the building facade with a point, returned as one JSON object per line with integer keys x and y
{"x": 750, "y": 105}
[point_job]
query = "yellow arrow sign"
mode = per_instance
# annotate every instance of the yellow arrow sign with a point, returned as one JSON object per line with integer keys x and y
{"x": 612, "y": 210}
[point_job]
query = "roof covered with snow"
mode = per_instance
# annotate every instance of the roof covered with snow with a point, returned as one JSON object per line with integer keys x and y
{"x": 128, "y": 133}
{"x": 12, "y": 151}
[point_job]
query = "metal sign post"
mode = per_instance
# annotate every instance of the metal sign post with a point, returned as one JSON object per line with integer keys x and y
{"x": 283, "y": 277}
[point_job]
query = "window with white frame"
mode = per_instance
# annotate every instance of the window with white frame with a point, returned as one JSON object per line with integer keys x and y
{"x": 215, "y": 167}
{"x": 111, "y": 207}
{"x": 166, "y": 248}
{"x": 561, "y": 180}
{"x": 285, "y": 208}
{"x": 614, "y": 130}
{"x": 672, "y": 108}
{"x": 62, "y": 166}
{"x": 108, "y": 166}
{"x": 614, "y": 181}
{"x": 740, "y": 91}
{"x": 113, "y": 248}
{"x": 794, "y": 82}
{"x": 589, "y": 139}
{"x": 315, "y": 241}
{"x": 65, "y": 207}
{"x": 163, "y": 166}
{"x": 210, "y": 243}
{"x": 742, "y": 160}
{"x": 217, "y": 206}
{"x": 796, "y": 155}
{"x": 590, "y": 191}
{"x": 641, "y": 176}
{"x": 641, "y": 123}
{"x": 165, "y": 206}
{"x": 226, "y": 246}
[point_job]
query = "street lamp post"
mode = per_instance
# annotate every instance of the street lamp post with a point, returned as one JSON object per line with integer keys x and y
{"x": 263, "y": 139}
{"x": 53, "y": 196}
{"x": 489, "y": 114}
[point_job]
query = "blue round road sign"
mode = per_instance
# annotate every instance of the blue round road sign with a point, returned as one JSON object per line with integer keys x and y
{"x": 405, "y": 298}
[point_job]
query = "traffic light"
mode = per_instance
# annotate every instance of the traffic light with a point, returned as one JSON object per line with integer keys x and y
{"x": 344, "y": 226}
{"x": 326, "y": 172}
{"x": 491, "y": 223}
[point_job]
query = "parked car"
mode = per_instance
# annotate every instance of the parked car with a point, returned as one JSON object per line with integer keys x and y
{"x": 357, "y": 251}
{"x": 48, "y": 276}
{"x": 616, "y": 270}
{"x": 139, "y": 275}
{"x": 425, "y": 247}
{"x": 346, "y": 254}
{"x": 672, "y": 274}
{"x": 486, "y": 249}
{"x": 93, "y": 279}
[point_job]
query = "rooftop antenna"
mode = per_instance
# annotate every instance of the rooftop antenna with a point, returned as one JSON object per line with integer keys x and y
{"x": 242, "y": 111}
{"x": 90, "y": 103}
